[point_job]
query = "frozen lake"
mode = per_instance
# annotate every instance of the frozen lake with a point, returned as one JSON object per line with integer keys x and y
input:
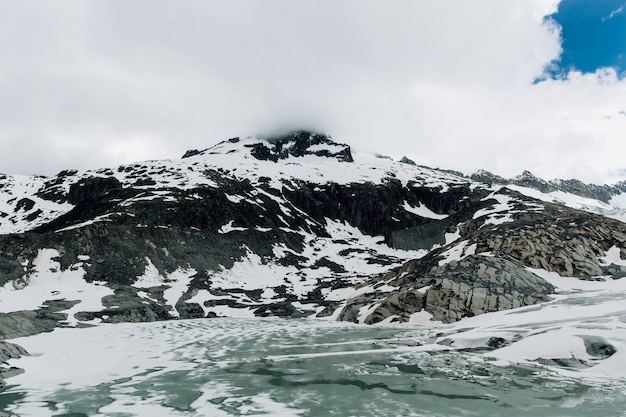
{"x": 566, "y": 357}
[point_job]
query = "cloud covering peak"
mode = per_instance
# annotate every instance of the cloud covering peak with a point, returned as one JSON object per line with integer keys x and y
{"x": 447, "y": 83}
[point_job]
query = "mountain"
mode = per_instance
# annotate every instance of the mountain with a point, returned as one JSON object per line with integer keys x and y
{"x": 602, "y": 193}
{"x": 608, "y": 200}
{"x": 292, "y": 225}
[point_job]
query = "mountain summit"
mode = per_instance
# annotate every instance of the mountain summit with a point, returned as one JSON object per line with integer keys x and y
{"x": 296, "y": 144}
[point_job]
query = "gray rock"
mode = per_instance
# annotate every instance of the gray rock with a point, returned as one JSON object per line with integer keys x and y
{"x": 27, "y": 323}
{"x": 9, "y": 351}
{"x": 475, "y": 285}
{"x": 598, "y": 347}
{"x": 481, "y": 284}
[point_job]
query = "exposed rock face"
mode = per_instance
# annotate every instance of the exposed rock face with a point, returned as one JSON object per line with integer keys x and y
{"x": 9, "y": 351}
{"x": 300, "y": 143}
{"x": 489, "y": 268}
{"x": 469, "y": 287}
{"x": 126, "y": 306}
{"x": 571, "y": 245}
{"x": 161, "y": 240}
{"x": 527, "y": 179}
{"x": 297, "y": 144}
{"x": 27, "y": 323}
{"x": 288, "y": 227}
{"x": 477, "y": 285}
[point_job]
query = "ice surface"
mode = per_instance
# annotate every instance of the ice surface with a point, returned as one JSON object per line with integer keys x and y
{"x": 231, "y": 367}
{"x": 557, "y": 329}
{"x": 310, "y": 367}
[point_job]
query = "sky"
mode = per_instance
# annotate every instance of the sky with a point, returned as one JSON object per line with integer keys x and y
{"x": 505, "y": 86}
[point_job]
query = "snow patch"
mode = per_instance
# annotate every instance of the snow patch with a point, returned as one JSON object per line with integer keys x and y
{"x": 105, "y": 217}
{"x": 227, "y": 228}
{"x": 20, "y": 207}
{"x": 424, "y": 318}
{"x": 47, "y": 281}
{"x": 332, "y": 148}
{"x": 560, "y": 197}
{"x": 618, "y": 201}
{"x": 150, "y": 278}
{"x": 501, "y": 206}
{"x": 423, "y": 211}
{"x": 251, "y": 272}
{"x": 613, "y": 257}
{"x": 177, "y": 283}
{"x": 457, "y": 252}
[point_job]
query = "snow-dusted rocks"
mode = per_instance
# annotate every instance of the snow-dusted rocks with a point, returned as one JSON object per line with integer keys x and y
{"x": 294, "y": 225}
{"x": 572, "y": 187}
{"x": 9, "y": 351}
{"x": 487, "y": 268}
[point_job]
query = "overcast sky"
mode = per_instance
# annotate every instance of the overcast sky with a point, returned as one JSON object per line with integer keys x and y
{"x": 455, "y": 84}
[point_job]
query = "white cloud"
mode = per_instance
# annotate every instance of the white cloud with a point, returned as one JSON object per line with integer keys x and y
{"x": 614, "y": 13}
{"x": 448, "y": 82}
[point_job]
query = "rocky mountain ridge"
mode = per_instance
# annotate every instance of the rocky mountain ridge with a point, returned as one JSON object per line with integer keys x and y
{"x": 293, "y": 225}
{"x": 603, "y": 193}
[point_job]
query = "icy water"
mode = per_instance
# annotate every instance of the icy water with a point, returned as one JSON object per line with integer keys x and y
{"x": 284, "y": 367}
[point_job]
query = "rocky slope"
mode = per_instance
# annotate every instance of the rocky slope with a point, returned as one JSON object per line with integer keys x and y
{"x": 603, "y": 193}
{"x": 493, "y": 265}
{"x": 292, "y": 226}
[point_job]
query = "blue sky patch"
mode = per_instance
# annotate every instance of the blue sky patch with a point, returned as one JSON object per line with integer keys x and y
{"x": 594, "y": 36}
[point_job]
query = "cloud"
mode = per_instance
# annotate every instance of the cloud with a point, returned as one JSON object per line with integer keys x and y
{"x": 448, "y": 83}
{"x": 614, "y": 13}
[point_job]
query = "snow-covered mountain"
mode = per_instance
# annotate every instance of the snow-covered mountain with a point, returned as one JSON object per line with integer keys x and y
{"x": 608, "y": 200}
{"x": 293, "y": 226}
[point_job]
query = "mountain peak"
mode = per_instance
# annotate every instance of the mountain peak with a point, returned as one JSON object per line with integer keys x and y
{"x": 526, "y": 174}
{"x": 297, "y": 143}
{"x": 527, "y": 179}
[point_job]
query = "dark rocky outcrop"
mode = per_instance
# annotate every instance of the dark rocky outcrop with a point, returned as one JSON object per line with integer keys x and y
{"x": 602, "y": 193}
{"x": 27, "y": 323}
{"x": 300, "y": 143}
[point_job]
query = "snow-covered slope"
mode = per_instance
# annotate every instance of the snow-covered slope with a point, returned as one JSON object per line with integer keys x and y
{"x": 607, "y": 200}
{"x": 29, "y": 202}
{"x": 294, "y": 226}
{"x": 21, "y": 208}
{"x": 615, "y": 208}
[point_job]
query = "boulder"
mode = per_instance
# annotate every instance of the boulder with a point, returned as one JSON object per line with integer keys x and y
{"x": 469, "y": 287}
